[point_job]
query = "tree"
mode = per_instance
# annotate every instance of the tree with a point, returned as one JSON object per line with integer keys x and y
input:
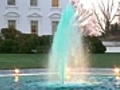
{"x": 85, "y": 19}
{"x": 96, "y": 20}
{"x": 105, "y": 12}
{"x": 90, "y": 28}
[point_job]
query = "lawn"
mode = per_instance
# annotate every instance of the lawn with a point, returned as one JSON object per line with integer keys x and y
{"x": 11, "y": 61}
{"x": 108, "y": 60}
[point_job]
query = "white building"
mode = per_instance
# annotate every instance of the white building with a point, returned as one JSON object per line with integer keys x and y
{"x": 31, "y": 16}
{"x": 35, "y": 16}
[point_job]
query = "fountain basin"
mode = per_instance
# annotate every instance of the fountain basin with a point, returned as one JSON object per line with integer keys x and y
{"x": 39, "y": 81}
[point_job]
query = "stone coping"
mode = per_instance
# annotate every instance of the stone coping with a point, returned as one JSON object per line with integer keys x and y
{"x": 98, "y": 71}
{"x": 111, "y": 43}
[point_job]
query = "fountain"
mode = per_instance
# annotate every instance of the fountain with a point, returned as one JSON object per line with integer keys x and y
{"x": 68, "y": 66}
{"x": 67, "y": 53}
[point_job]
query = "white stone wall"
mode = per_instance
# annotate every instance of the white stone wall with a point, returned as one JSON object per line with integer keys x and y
{"x": 23, "y": 13}
{"x": 112, "y": 47}
{"x": 113, "y": 50}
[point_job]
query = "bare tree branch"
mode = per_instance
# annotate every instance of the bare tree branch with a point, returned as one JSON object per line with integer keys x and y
{"x": 108, "y": 14}
{"x": 98, "y": 19}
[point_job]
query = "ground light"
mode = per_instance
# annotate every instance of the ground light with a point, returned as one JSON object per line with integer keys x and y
{"x": 16, "y": 75}
{"x": 117, "y": 73}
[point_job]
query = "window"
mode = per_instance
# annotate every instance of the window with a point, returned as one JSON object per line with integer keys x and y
{"x": 33, "y": 2}
{"x": 54, "y": 26}
{"x": 55, "y": 3}
{"x": 10, "y": 2}
{"x": 34, "y": 27}
{"x": 11, "y": 23}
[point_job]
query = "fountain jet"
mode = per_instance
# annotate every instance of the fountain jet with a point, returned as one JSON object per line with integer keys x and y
{"x": 68, "y": 50}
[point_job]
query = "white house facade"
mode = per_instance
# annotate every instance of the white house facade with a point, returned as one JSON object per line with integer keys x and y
{"x": 36, "y": 16}
{"x": 31, "y": 16}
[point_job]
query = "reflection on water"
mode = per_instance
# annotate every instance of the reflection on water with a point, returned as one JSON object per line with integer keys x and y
{"x": 39, "y": 82}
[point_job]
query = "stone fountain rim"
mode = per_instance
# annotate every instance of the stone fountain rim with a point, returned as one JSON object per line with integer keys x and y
{"x": 43, "y": 71}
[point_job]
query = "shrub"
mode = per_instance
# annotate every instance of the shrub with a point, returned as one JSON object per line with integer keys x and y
{"x": 44, "y": 44}
{"x": 8, "y": 46}
{"x": 95, "y": 45}
{"x": 10, "y": 33}
{"x": 29, "y": 43}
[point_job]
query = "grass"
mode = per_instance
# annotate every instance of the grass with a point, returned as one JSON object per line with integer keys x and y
{"x": 108, "y": 60}
{"x": 11, "y": 61}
